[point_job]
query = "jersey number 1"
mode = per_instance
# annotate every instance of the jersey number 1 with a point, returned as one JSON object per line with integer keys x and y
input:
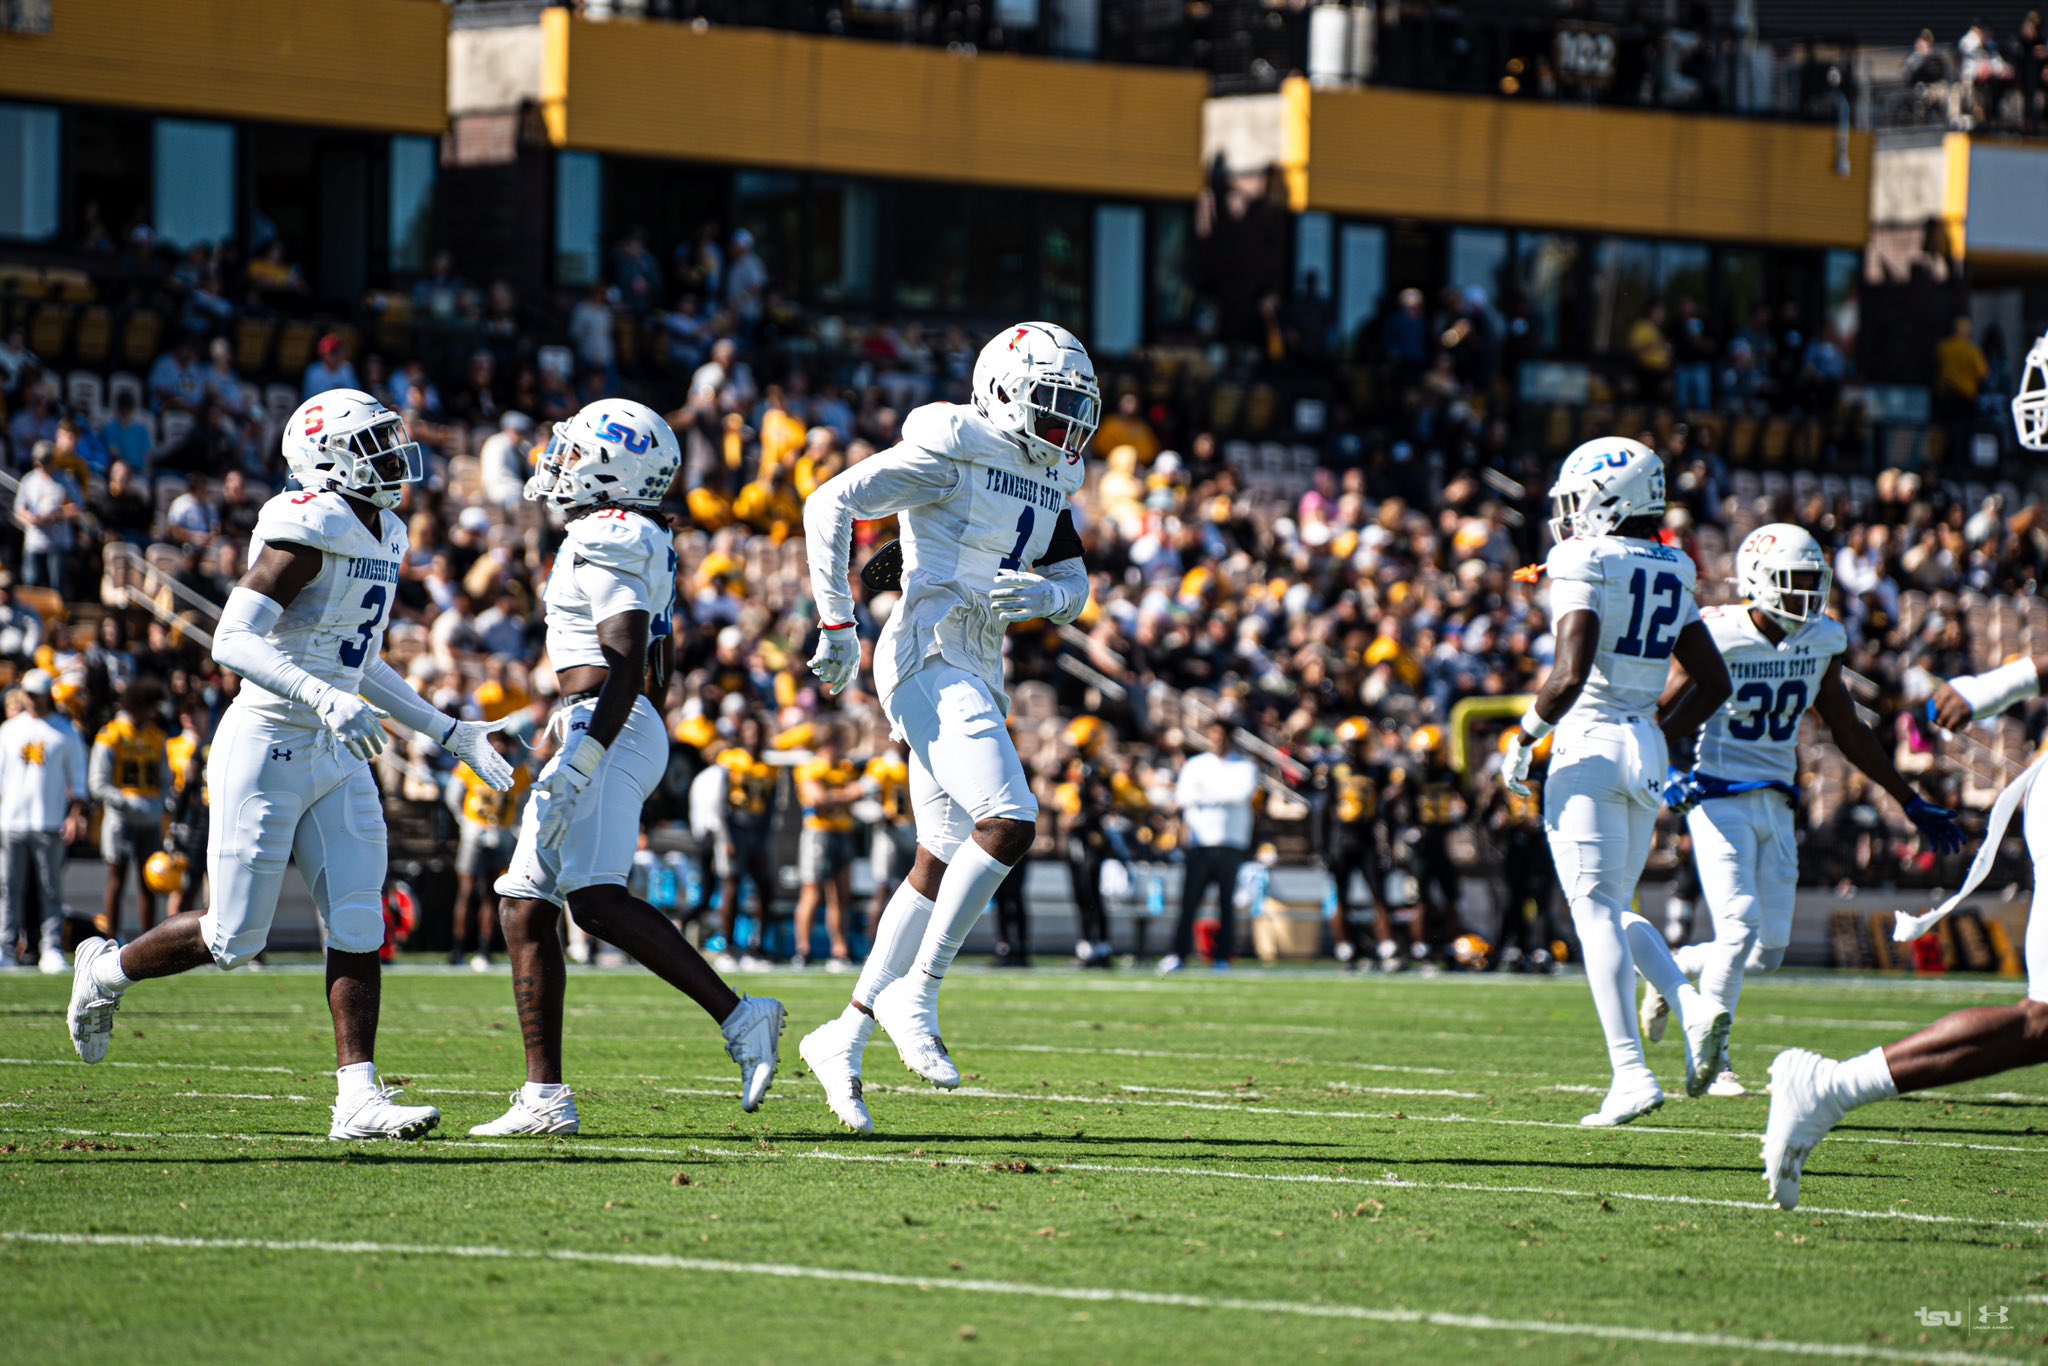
{"x": 1016, "y": 556}
{"x": 353, "y": 652}
{"x": 1659, "y": 640}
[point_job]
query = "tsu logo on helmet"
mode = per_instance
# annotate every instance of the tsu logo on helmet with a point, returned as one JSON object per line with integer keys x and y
{"x": 636, "y": 442}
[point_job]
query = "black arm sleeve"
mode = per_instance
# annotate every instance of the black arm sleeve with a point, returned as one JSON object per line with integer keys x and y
{"x": 1066, "y": 542}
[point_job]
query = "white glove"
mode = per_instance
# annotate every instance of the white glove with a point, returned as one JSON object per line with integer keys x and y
{"x": 837, "y": 659}
{"x": 358, "y": 725}
{"x": 1023, "y": 596}
{"x": 1514, "y": 765}
{"x": 563, "y": 786}
{"x": 470, "y": 742}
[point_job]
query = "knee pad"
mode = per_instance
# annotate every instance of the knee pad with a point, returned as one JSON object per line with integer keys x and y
{"x": 356, "y": 925}
{"x": 230, "y": 951}
{"x": 1762, "y": 959}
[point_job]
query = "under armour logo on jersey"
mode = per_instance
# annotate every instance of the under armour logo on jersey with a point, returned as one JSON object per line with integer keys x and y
{"x": 280, "y": 754}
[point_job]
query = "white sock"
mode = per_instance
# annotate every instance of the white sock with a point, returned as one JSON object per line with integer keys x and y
{"x": 357, "y": 1076}
{"x": 107, "y": 974}
{"x": 1723, "y": 961}
{"x": 1692, "y": 960}
{"x": 543, "y": 1092}
{"x": 897, "y": 937}
{"x": 1653, "y": 956}
{"x": 1611, "y": 974}
{"x": 1862, "y": 1079}
{"x": 971, "y": 879}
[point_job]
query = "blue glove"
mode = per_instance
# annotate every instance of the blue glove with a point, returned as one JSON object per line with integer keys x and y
{"x": 1682, "y": 790}
{"x": 1937, "y": 823}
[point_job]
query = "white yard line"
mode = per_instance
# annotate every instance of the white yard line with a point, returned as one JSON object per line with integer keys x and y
{"x": 1479, "y": 1323}
{"x": 599, "y": 1147}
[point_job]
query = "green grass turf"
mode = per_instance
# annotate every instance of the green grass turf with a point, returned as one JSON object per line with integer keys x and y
{"x": 1100, "y": 1147}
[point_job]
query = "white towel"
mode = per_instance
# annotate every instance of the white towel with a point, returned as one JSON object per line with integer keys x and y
{"x": 1906, "y": 928}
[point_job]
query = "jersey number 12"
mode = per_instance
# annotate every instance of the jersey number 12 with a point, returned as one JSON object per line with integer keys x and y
{"x": 1659, "y": 639}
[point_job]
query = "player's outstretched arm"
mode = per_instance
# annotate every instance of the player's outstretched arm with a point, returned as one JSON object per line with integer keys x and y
{"x": 1701, "y": 660}
{"x": 468, "y": 741}
{"x": 1861, "y": 746}
{"x": 1978, "y": 697}
{"x": 272, "y": 584}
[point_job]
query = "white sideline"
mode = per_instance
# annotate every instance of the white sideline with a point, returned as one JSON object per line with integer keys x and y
{"x": 1082, "y": 1294}
{"x": 566, "y": 1147}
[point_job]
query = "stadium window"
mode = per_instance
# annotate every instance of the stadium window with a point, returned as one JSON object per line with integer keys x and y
{"x": 1743, "y": 278}
{"x": 1479, "y": 259}
{"x": 770, "y": 205}
{"x": 1172, "y": 267}
{"x": 1624, "y": 287}
{"x": 931, "y": 249}
{"x": 1065, "y": 258}
{"x": 285, "y": 186}
{"x": 579, "y": 226}
{"x": 1313, "y": 248}
{"x": 1546, "y": 274}
{"x": 195, "y": 182}
{"x": 1682, "y": 272}
{"x": 1844, "y": 276}
{"x": 107, "y": 175}
{"x": 415, "y": 163}
{"x": 1361, "y": 276}
{"x": 1119, "y": 322}
{"x": 845, "y": 232}
{"x": 28, "y": 172}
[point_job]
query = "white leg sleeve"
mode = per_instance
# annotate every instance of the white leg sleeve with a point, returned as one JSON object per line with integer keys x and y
{"x": 898, "y": 938}
{"x": 1652, "y": 956}
{"x": 971, "y": 879}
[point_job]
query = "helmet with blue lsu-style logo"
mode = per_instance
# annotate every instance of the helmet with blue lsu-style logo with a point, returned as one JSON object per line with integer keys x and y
{"x": 1604, "y": 483}
{"x": 614, "y": 451}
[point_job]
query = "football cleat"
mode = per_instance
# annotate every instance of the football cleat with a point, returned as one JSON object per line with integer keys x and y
{"x": 91, "y": 1014}
{"x": 1727, "y": 1085}
{"x": 833, "y": 1053}
{"x": 53, "y": 963}
{"x": 753, "y": 1039}
{"x": 374, "y": 1112}
{"x": 1706, "y": 1036}
{"x": 1169, "y": 965}
{"x": 533, "y": 1117}
{"x": 1803, "y": 1110}
{"x": 1656, "y": 1015}
{"x": 911, "y": 1019}
{"x": 1628, "y": 1100}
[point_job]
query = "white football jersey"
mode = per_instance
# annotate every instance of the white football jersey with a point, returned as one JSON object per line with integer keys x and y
{"x": 1643, "y": 593}
{"x": 972, "y": 505}
{"x": 1755, "y": 736}
{"x": 334, "y": 628}
{"x": 612, "y": 561}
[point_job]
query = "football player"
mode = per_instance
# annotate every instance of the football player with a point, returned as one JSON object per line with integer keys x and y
{"x": 610, "y": 605}
{"x": 290, "y": 773}
{"x": 987, "y": 540}
{"x": 1784, "y": 656}
{"x": 129, "y": 774}
{"x": 1811, "y": 1094}
{"x": 1621, "y": 606}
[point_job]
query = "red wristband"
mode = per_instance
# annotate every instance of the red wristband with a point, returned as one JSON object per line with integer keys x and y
{"x": 842, "y": 626}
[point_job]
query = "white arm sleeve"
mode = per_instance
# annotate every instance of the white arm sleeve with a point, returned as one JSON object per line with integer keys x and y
{"x": 387, "y": 688}
{"x": 894, "y": 481}
{"x": 238, "y": 644}
{"x": 1072, "y": 578}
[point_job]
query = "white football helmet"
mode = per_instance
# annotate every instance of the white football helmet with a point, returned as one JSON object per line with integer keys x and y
{"x": 1036, "y": 383}
{"x": 2030, "y": 404}
{"x": 1603, "y": 484}
{"x": 344, "y": 439}
{"x": 612, "y": 451}
{"x": 1784, "y": 573}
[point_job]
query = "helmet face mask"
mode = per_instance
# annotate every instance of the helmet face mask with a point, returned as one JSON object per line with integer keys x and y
{"x": 2030, "y": 404}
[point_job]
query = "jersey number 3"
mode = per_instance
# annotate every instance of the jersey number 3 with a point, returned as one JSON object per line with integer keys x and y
{"x": 353, "y": 652}
{"x": 1658, "y": 640}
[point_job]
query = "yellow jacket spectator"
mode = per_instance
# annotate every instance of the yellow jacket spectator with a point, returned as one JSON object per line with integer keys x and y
{"x": 1127, "y": 427}
{"x": 769, "y": 505}
{"x": 1959, "y": 365}
{"x": 750, "y": 785}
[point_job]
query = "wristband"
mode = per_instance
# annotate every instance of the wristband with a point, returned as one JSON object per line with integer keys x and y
{"x": 1992, "y": 692}
{"x": 449, "y": 734}
{"x": 842, "y": 626}
{"x": 1535, "y": 727}
{"x": 585, "y": 754}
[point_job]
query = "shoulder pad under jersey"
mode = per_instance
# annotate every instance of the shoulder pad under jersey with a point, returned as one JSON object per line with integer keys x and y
{"x": 623, "y": 541}
{"x": 1830, "y": 637}
{"x": 957, "y": 432}
{"x": 320, "y": 519}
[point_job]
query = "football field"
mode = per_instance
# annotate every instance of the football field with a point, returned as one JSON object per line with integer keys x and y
{"x": 1201, "y": 1169}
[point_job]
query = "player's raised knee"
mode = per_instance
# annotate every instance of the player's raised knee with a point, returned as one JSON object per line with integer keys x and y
{"x": 594, "y": 907}
{"x": 1006, "y": 838}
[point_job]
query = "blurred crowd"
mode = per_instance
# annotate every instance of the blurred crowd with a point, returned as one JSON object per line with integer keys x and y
{"x": 1332, "y": 613}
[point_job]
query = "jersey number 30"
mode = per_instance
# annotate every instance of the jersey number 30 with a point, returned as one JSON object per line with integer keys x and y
{"x": 1760, "y": 707}
{"x": 1658, "y": 640}
{"x": 353, "y": 652}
